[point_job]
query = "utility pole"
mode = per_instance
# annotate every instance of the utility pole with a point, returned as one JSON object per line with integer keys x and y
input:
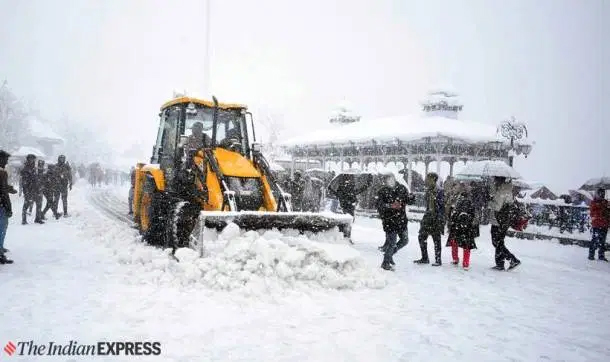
{"x": 512, "y": 130}
{"x": 206, "y": 63}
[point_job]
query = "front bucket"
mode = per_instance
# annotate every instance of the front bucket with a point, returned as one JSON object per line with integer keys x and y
{"x": 302, "y": 221}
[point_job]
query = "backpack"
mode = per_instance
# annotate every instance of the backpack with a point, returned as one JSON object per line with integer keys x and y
{"x": 462, "y": 218}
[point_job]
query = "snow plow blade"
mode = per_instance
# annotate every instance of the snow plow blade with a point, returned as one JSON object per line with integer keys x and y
{"x": 301, "y": 221}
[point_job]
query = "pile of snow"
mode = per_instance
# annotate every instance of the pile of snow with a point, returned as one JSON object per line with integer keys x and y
{"x": 250, "y": 262}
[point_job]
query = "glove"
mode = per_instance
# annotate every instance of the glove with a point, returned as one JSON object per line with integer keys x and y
{"x": 70, "y": 187}
{"x": 9, "y": 213}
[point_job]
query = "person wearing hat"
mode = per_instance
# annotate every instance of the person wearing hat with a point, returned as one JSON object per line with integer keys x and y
{"x": 31, "y": 189}
{"x": 64, "y": 177}
{"x": 391, "y": 201}
{"x": 198, "y": 138}
{"x": 433, "y": 221}
{"x": 6, "y": 210}
{"x": 599, "y": 210}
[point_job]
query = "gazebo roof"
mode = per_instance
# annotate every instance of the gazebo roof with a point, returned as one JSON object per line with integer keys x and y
{"x": 403, "y": 128}
{"x": 23, "y": 151}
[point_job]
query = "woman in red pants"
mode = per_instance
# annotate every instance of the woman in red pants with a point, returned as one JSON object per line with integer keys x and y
{"x": 464, "y": 227}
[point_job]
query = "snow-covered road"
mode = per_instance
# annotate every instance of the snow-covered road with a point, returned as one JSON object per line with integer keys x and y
{"x": 86, "y": 278}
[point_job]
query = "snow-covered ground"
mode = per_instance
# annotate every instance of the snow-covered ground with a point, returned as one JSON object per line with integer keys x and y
{"x": 88, "y": 278}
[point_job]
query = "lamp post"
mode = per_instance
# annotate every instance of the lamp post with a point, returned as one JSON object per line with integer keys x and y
{"x": 513, "y": 131}
{"x": 206, "y": 65}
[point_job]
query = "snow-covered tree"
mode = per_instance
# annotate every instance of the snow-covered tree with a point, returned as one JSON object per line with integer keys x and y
{"x": 273, "y": 125}
{"x": 84, "y": 142}
{"x": 12, "y": 118}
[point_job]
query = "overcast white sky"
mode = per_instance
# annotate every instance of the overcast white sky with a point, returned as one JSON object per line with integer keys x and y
{"x": 115, "y": 61}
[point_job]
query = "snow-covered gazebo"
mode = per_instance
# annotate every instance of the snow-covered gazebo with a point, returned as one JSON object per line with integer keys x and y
{"x": 43, "y": 136}
{"x": 437, "y": 136}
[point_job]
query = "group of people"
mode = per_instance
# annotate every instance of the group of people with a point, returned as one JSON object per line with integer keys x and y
{"x": 452, "y": 209}
{"x": 35, "y": 183}
{"x": 306, "y": 191}
{"x": 51, "y": 183}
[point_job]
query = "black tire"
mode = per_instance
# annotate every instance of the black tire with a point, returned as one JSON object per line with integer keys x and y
{"x": 155, "y": 235}
{"x": 183, "y": 220}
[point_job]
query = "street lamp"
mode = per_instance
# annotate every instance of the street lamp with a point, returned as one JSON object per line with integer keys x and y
{"x": 513, "y": 131}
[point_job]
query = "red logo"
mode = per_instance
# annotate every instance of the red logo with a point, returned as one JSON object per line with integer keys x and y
{"x": 10, "y": 348}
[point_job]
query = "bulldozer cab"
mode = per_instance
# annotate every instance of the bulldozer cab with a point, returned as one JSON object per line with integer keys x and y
{"x": 190, "y": 124}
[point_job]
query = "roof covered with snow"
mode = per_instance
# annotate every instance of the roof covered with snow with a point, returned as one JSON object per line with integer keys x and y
{"x": 41, "y": 131}
{"x": 23, "y": 151}
{"x": 403, "y": 128}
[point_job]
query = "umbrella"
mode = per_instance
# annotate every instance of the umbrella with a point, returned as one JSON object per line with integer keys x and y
{"x": 596, "y": 183}
{"x": 489, "y": 169}
{"x": 359, "y": 180}
{"x": 521, "y": 185}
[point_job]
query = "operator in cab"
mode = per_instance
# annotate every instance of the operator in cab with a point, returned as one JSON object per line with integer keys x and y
{"x": 198, "y": 139}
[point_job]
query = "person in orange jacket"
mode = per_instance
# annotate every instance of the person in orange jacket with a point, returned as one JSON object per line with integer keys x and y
{"x": 599, "y": 210}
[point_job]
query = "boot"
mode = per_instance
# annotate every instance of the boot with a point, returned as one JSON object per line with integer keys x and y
{"x": 4, "y": 260}
{"x": 437, "y": 262}
{"x": 514, "y": 263}
{"x": 39, "y": 221}
{"x": 602, "y": 257}
{"x": 387, "y": 266}
{"x": 424, "y": 254}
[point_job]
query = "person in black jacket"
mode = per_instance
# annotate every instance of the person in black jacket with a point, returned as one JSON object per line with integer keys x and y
{"x": 433, "y": 221}
{"x": 6, "y": 210}
{"x": 49, "y": 190}
{"x": 464, "y": 227}
{"x": 64, "y": 182}
{"x": 31, "y": 189}
{"x": 347, "y": 193}
{"x": 392, "y": 199}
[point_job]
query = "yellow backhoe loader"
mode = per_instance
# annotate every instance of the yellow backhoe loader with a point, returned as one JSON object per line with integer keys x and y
{"x": 203, "y": 167}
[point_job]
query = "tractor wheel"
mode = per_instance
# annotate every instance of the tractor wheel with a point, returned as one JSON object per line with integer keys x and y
{"x": 153, "y": 214}
{"x": 183, "y": 216}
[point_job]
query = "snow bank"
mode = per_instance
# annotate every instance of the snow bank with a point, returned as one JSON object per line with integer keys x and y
{"x": 252, "y": 263}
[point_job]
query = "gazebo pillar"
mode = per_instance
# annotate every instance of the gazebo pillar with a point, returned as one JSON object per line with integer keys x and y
{"x": 341, "y": 158}
{"x": 438, "y": 166}
{"x": 427, "y": 163}
{"x": 451, "y": 163}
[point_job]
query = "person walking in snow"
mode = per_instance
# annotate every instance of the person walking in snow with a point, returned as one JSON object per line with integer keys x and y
{"x": 31, "y": 189}
{"x": 599, "y": 210}
{"x": 463, "y": 227}
{"x": 347, "y": 193}
{"x": 391, "y": 201}
{"x": 64, "y": 177}
{"x": 297, "y": 187}
{"x": 450, "y": 192}
{"x": 432, "y": 223}
{"x": 6, "y": 210}
{"x": 50, "y": 192}
{"x": 502, "y": 205}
